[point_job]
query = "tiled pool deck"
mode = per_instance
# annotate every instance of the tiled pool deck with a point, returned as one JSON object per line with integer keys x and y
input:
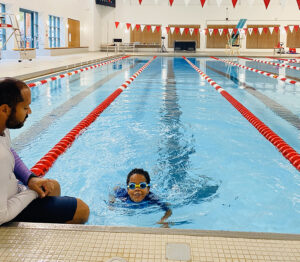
{"x": 53, "y": 242}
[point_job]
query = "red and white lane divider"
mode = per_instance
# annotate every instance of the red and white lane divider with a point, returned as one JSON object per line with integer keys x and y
{"x": 271, "y": 63}
{"x": 5, "y": 25}
{"x": 284, "y": 79}
{"x": 285, "y": 60}
{"x": 47, "y": 80}
{"x": 44, "y": 164}
{"x": 286, "y": 150}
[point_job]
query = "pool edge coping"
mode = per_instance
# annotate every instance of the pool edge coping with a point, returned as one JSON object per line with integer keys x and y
{"x": 160, "y": 231}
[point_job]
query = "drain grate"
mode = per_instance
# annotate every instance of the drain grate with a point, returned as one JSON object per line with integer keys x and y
{"x": 178, "y": 251}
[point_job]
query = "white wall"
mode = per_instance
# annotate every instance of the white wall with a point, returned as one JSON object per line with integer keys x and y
{"x": 161, "y": 13}
{"x": 97, "y": 22}
{"x": 75, "y": 9}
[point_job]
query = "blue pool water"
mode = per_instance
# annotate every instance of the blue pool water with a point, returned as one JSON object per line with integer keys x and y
{"x": 213, "y": 167}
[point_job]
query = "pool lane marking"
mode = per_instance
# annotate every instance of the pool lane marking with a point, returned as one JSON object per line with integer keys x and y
{"x": 40, "y": 126}
{"x": 284, "y": 79}
{"x": 285, "y": 60}
{"x": 45, "y": 163}
{"x": 53, "y": 78}
{"x": 286, "y": 150}
{"x": 271, "y": 63}
{"x": 278, "y": 109}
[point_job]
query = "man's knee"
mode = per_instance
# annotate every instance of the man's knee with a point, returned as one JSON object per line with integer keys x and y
{"x": 82, "y": 213}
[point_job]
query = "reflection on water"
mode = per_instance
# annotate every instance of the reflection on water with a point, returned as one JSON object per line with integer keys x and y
{"x": 175, "y": 148}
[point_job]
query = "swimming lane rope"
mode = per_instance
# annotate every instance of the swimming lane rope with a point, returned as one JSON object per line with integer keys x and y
{"x": 286, "y": 150}
{"x": 50, "y": 79}
{"x": 271, "y": 63}
{"x": 44, "y": 164}
{"x": 284, "y": 79}
{"x": 294, "y": 60}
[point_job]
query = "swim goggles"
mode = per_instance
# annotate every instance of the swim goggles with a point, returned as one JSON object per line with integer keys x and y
{"x": 142, "y": 185}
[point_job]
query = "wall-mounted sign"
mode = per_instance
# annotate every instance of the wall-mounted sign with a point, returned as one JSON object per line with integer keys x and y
{"x": 111, "y": 3}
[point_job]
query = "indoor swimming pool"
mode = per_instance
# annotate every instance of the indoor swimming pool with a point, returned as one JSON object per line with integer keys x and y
{"x": 205, "y": 159}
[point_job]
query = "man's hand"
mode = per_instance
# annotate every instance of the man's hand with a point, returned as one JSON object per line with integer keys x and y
{"x": 40, "y": 185}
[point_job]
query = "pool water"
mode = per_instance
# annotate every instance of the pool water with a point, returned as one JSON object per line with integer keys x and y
{"x": 205, "y": 159}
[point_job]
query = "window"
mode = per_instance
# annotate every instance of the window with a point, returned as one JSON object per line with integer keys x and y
{"x": 2, "y": 31}
{"x": 54, "y": 31}
{"x": 29, "y": 28}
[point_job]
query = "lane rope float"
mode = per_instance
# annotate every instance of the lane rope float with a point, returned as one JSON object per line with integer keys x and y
{"x": 271, "y": 63}
{"x": 286, "y": 150}
{"x": 294, "y": 60}
{"x": 45, "y": 163}
{"x": 50, "y": 79}
{"x": 284, "y": 79}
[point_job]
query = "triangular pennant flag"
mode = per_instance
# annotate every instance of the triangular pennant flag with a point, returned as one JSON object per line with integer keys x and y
{"x": 255, "y": 29}
{"x": 240, "y": 30}
{"x": 117, "y": 24}
{"x": 286, "y": 28}
{"x": 276, "y": 28}
{"x": 296, "y": 27}
{"x": 158, "y": 28}
{"x": 219, "y": 2}
{"x": 191, "y": 31}
{"x": 225, "y": 30}
{"x": 210, "y": 30}
{"x": 260, "y": 29}
{"x": 230, "y": 31}
{"x": 234, "y": 3}
{"x": 138, "y": 27}
{"x": 140, "y": 1}
{"x": 282, "y": 3}
{"x": 267, "y": 2}
{"x": 215, "y": 31}
{"x": 167, "y": 29}
{"x": 128, "y": 25}
{"x": 186, "y": 30}
{"x": 271, "y": 28}
{"x": 250, "y": 29}
{"x": 172, "y": 30}
{"x": 132, "y": 26}
{"x": 291, "y": 28}
{"x": 142, "y": 27}
{"x": 245, "y": 30}
{"x": 171, "y": 2}
{"x": 298, "y": 2}
{"x": 148, "y": 27}
{"x": 176, "y": 30}
{"x": 181, "y": 30}
{"x": 205, "y": 31}
{"x": 266, "y": 29}
{"x": 153, "y": 27}
{"x": 196, "y": 30}
{"x": 235, "y": 30}
{"x": 202, "y": 2}
{"x": 220, "y": 31}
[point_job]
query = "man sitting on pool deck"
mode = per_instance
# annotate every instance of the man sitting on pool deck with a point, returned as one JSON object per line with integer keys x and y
{"x": 138, "y": 191}
{"x": 39, "y": 201}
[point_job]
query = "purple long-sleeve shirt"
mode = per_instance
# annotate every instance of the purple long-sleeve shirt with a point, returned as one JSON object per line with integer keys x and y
{"x": 21, "y": 171}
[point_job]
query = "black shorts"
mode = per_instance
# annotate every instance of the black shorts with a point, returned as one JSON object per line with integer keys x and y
{"x": 51, "y": 209}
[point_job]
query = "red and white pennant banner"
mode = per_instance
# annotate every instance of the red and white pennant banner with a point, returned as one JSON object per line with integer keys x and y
{"x": 220, "y": 31}
{"x": 234, "y": 2}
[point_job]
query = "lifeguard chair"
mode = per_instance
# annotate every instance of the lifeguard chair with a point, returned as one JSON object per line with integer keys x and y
{"x": 9, "y": 21}
{"x": 279, "y": 49}
{"x": 233, "y": 45}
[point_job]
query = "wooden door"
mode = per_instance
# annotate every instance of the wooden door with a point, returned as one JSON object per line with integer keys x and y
{"x": 73, "y": 33}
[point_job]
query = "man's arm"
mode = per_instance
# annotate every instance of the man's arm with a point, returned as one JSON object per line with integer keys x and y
{"x": 42, "y": 186}
{"x": 21, "y": 171}
{"x": 11, "y": 207}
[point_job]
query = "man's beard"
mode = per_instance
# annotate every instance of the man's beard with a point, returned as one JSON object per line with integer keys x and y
{"x": 13, "y": 123}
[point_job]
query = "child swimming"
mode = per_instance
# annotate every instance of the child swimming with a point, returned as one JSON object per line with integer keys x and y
{"x": 138, "y": 191}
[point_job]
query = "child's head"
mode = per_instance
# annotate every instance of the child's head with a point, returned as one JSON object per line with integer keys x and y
{"x": 138, "y": 184}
